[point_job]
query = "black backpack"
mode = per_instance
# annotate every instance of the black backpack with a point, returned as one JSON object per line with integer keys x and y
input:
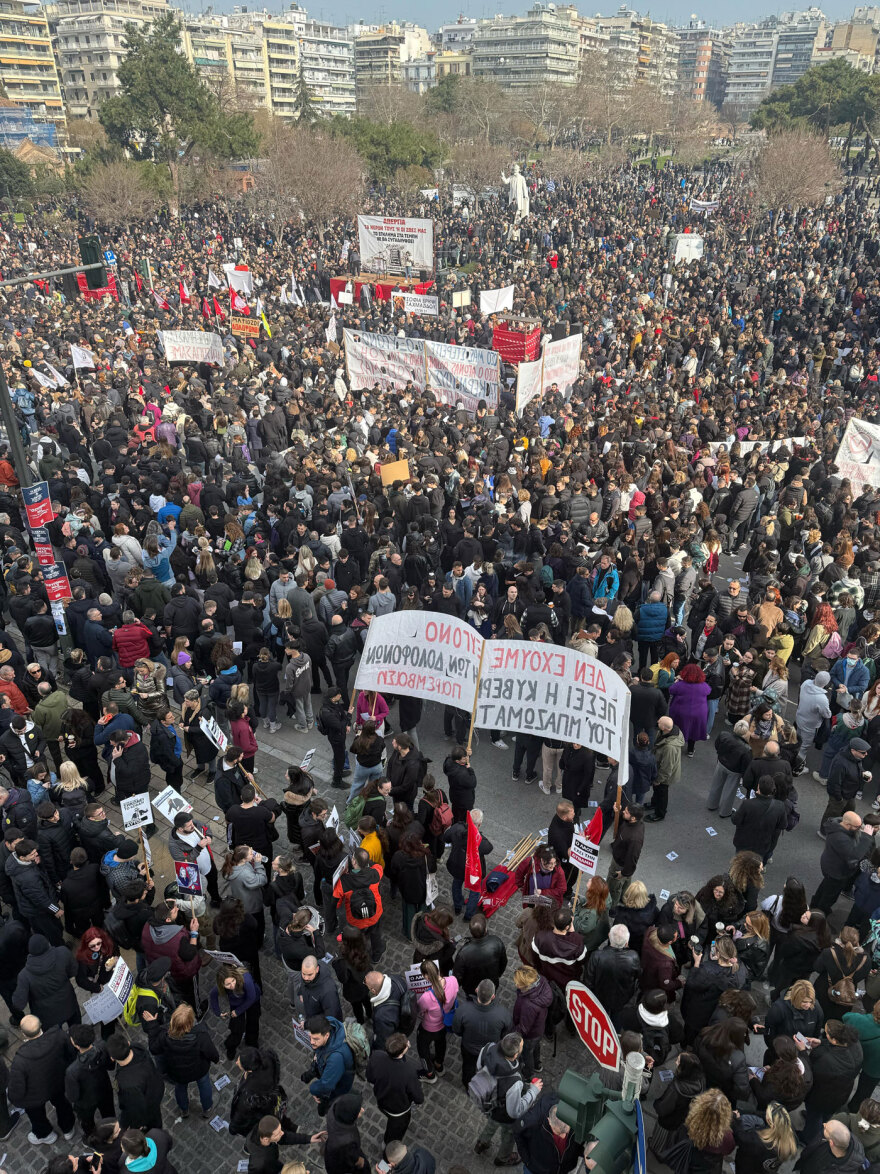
{"x": 407, "y": 1019}
{"x": 362, "y": 904}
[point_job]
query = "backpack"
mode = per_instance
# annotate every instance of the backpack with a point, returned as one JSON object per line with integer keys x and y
{"x": 408, "y": 1016}
{"x": 483, "y": 1086}
{"x": 362, "y": 904}
{"x": 358, "y": 1044}
{"x": 842, "y": 992}
{"x": 129, "y": 1013}
{"x": 319, "y": 725}
{"x": 556, "y": 1012}
{"x": 353, "y": 811}
{"x": 834, "y": 647}
{"x": 441, "y": 818}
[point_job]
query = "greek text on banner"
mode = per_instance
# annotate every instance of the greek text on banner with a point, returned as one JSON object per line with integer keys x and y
{"x": 192, "y": 346}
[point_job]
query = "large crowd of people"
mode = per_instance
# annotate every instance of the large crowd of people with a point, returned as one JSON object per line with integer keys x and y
{"x": 228, "y": 541}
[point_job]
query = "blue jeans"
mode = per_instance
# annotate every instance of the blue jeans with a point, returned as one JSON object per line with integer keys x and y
{"x": 713, "y": 709}
{"x": 206, "y": 1094}
{"x": 458, "y": 901}
{"x": 362, "y": 775}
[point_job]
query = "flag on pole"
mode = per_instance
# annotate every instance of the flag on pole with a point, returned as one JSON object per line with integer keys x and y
{"x": 593, "y": 830}
{"x": 265, "y": 325}
{"x": 259, "y": 307}
{"x": 237, "y": 305}
{"x": 139, "y": 282}
{"x": 239, "y": 277}
{"x": 330, "y": 332}
{"x": 184, "y": 292}
{"x": 473, "y": 865}
{"x": 285, "y": 301}
{"x": 206, "y": 308}
{"x": 60, "y": 381}
{"x": 294, "y": 298}
{"x": 218, "y": 310}
{"x": 214, "y": 281}
{"x": 82, "y": 356}
{"x": 161, "y": 301}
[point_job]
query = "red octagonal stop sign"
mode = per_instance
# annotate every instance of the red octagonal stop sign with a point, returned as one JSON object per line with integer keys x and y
{"x": 593, "y": 1025}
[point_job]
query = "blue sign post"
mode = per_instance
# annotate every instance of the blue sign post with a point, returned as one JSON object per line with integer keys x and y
{"x": 640, "y": 1164}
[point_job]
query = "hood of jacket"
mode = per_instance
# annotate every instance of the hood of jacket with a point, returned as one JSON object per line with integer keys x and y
{"x": 148, "y": 1162}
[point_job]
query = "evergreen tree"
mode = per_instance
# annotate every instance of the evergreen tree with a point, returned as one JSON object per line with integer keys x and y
{"x": 306, "y": 110}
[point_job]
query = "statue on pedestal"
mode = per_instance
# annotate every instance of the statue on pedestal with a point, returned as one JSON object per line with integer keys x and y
{"x": 517, "y": 192}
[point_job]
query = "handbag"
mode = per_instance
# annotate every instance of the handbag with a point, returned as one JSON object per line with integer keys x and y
{"x": 823, "y": 733}
{"x": 449, "y": 1015}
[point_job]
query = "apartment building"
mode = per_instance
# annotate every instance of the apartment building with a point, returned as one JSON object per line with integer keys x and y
{"x": 774, "y": 53}
{"x": 703, "y": 60}
{"x": 380, "y": 54}
{"x": 423, "y": 73}
{"x": 228, "y": 54}
{"x": 27, "y": 68}
{"x": 457, "y": 37}
{"x": 88, "y": 38}
{"x": 656, "y": 47}
{"x": 856, "y": 39}
{"x": 522, "y": 51}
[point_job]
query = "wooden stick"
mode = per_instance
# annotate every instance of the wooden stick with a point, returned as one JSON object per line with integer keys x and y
{"x": 476, "y": 699}
{"x": 617, "y": 812}
{"x": 577, "y": 891}
{"x": 144, "y": 851}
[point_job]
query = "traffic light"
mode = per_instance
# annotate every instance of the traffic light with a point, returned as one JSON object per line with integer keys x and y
{"x": 612, "y": 1139}
{"x": 582, "y": 1102}
{"x": 90, "y": 254}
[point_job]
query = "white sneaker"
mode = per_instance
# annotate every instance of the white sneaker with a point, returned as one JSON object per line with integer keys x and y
{"x": 49, "y": 1140}
{"x": 542, "y": 786}
{"x": 274, "y": 727}
{"x": 876, "y": 805}
{"x": 500, "y": 744}
{"x": 818, "y": 777}
{"x": 69, "y": 1135}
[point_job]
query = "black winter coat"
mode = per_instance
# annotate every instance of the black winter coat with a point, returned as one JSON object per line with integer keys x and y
{"x": 188, "y": 1058}
{"x": 410, "y": 874}
{"x": 44, "y": 984}
{"x": 36, "y": 1074}
{"x": 477, "y": 959}
{"x": 87, "y": 1081}
{"x": 139, "y": 1090}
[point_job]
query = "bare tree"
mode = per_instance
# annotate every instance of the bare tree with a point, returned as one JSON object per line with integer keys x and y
{"x": 734, "y": 117}
{"x": 120, "y": 192}
{"x": 484, "y": 108}
{"x": 387, "y": 104}
{"x": 308, "y": 172}
{"x": 795, "y": 168}
{"x": 575, "y": 167}
{"x": 609, "y": 104}
{"x": 688, "y": 127}
{"x": 477, "y": 166}
{"x": 549, "y": 110}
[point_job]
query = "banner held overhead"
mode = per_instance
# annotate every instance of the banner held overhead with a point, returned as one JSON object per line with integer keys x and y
{"x": 192, "y": 346}
{"x": 388, "y": 244}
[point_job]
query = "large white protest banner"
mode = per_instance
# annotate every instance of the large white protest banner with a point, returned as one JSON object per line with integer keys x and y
{"x": 428, "y": 305}
{"x": 554, "y": 692}
{"x": 385, "y": 359}
{"x": 389, "y": 243}
{"x": 422, "y": 654}
{"x": 527, "y": 687}
{"x": 492, "y": 301}
{"x": 462, "y": 374}
{"x": 82, "y": 356}
{"x": 858, "y": 458}
{"x": 239, "y": 278}
{"x": 562, "y": 363}
{"x": 192, "y": 346}
{"x": 528, "y": 384}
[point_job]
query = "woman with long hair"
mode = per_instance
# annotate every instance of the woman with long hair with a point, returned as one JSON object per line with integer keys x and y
{"x": 243, "y": 1011}
{"x": 785, "y": 1077}
{"x": 721, "y": 1048}
{"x": 708, "y": 1129}
{"x": 237, "y": 933}
{"x": 188, "y": 1051}
{"x": 78, "y": 739}
{"x": 300, "y": 939}
{"x": 368, "y": 749}
{"x": 148, "y": 688}
{"x": 408, "y": 870}
{"x": 192, "y": 710}
{"x": 764, "y": 1144}
{"x": 689, "y": 705}
{"x": 374, "y": 840}
{"x": 591, "y": 917}
{"x": 146, "y": 1151}
{"x": 795, "y": 1011}
{"x": 243, "y": 877}
{"x": 259, "y": 1092}
{"x": 671, "y": 1106}
{"x": 797, "y": 951}
{"x": 746, "y": 873}
{"x": 71, "y": 792}
{"x": 721, "y": 901}
{"x": 351, "y": 965}
{"x": 637, "y": 911}
{"x": 753, "y": 946}
{"x": 436, "y": 1007}
{"x": 823, "y": 643}
{"x": 96, "y": 955}
{"x": 845, "y": 958}
{"x": 666, "y": 673}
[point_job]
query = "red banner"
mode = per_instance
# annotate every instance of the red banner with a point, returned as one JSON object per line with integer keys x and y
{"x": 56, "y": 582}
{"x": 516, "y": 346}
{"x": 473, "y": 868}
{"x": 37, "y": 504}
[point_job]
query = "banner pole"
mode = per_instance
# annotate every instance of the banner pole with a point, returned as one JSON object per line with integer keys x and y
{"x": 144, "y": 851}
{"x": 617, "y": 812}
{"x": 577, "y": 892}
{"x": 476, "y": 699}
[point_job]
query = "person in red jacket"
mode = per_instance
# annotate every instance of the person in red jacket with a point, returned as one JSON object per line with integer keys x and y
{"x": 166, "y": 935}
{"x": 131, "y": 641}
{"x": 357, "y": 893}
{"x": 541, "y": 875}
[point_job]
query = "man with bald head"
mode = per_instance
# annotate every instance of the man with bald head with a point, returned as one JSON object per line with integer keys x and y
{"x": 836, "y": 1152}
{"x": 36, "y": 1077}
{"x": 846, "y": 846}
{"x": 668, "y": 746}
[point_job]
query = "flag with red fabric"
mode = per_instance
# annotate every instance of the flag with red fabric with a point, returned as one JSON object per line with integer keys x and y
{"x": 593, "y": 830}
{"x": 184, "y": 292}
{"x": 217, "y": 310}
{"x": 139, "y": 281}
{"x": 473, "y": 866}
{"x": 238, "y": 305}
{"x": 206, "y": 308}
{"x": 161, "y": 301}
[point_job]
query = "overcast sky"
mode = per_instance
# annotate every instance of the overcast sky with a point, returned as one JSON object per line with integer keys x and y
{"x": 431, "y": 13}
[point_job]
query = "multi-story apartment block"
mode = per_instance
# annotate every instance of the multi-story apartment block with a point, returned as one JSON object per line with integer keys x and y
{"x": 27, "y": 66}
{"x": 380, "y": 54}
{"x": 858, "y": 36}
{"x": 703, "y": 59}
{"x": 522, "y": 51}
{"x": 227, "y": 54}
{"x": 656, "y": 56}
{"x": 88, "y": 38}
{"x": 457, "y": 37}
{"x": 776, "y": 52}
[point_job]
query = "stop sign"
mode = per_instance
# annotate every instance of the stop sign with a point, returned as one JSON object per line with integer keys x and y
{"x": 593, "y": 1025}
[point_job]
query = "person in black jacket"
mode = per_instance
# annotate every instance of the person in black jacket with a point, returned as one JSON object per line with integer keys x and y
{"x": 613, "y": 972}
{"x": 87, "y": 1080}
{"x": 395, "y": 1081}
{"x": 129, "y": 764}
{"x": 44, "y": 984}
{"x": 35, "y": 896}
{"x": 266, "y": 1137}
{"x": 483, "y": 957}
{"x": 36, "y": 1076}
{"x": 462, "y": 783}
{"x": 759, "y": 822}
{"x": 13, "y": 952}
{"x": 546, "y": 1144}
{"x": 734, "y": 759}
{"x": 139, "y": 1087}
{"x": 166, "y": 749}
{"x": 333, "y": 723}
{"x": 406, "y": 767}
{"x": 22, "y": 732}
{"x": 456, "y": 838}
{"x": 257, "y": 1092}
{"x": 94, "y": 833}
{"x": 480, "y": 1021}
{"x": 55, "y": 842}
{"x": 187, "y": 1052}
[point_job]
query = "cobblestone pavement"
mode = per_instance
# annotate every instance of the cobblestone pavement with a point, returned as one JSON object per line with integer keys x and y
{"x": 447, "y": 1124}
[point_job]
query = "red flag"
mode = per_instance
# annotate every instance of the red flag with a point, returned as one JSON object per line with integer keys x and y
{"x": 139, "y": 282}
{"x": 184, "y": 292}
{"x": 218, "y": 311}
{"x": 206, "y": 308}
{"x": 593, "y": 830}
{"x": 238, "y": 305}
{"x": 160, "y": 300}
{"x": 473, "y": 867}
